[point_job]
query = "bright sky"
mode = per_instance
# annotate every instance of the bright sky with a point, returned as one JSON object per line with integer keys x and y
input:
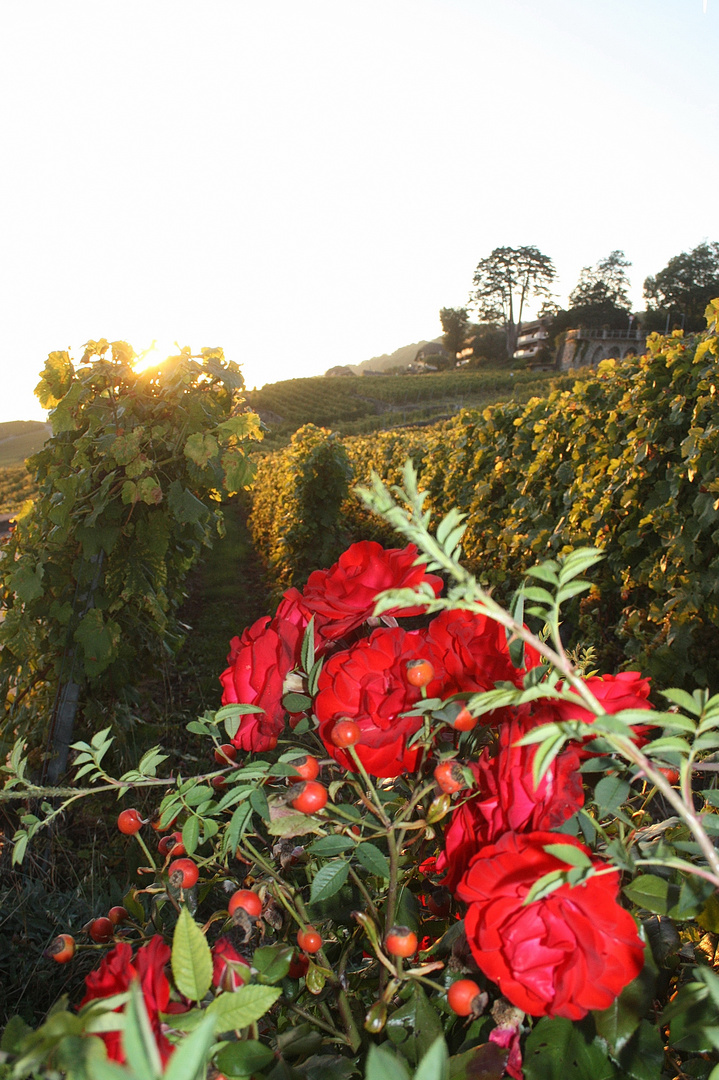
{"x": 306, "y": 182}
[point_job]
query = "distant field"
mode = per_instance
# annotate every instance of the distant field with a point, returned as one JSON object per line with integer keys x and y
{"x": 19, "y": 439}
{"x": 362, "y": 404}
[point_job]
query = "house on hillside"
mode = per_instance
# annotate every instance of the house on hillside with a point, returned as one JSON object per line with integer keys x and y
{"x": 339, "y": 369}
{"x": 431, "y": 350}
{"x": 533, "y": 343}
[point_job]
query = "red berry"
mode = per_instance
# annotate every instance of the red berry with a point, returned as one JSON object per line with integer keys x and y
{"x": 345, "y": 733}
{"x": 226, "y": 754}
{"x": 166, "y": 844}
{"x": 62, "y": 948}
{"x": 450, "y": 777}
{"x": 461, "y": 996}
{"x": 401, "y": 941}
{"x": 101, "y": 930}
{"x": 219, "y": 783}
{"x": 672, "y": 775}
{"x": 309, "y": 940}
{"x": 309, "y": 797}
{"x": 129, "y": 822}
{"x": 118, "y": 914}
{"x": 308, "y": 767}
{"x": 246, "y": 899}
{"x": 183, "y": 873}
{"x": 464, "y": 721}
{"x": 298, "y": 966}
{"x": 157, "y": 825}
{"x": 177, "y": 848}
{"x": 438, "y": 901}
{"x": 419, "y": 672}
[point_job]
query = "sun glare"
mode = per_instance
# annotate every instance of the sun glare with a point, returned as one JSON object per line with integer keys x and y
{"x": 155, "y": 354}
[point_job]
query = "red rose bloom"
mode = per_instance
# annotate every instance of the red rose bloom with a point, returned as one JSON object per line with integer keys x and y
{"x": 343, "y": 597}
{"x": 259, "y": 661}
{"x": 627, "y": 690}
{"x": 114, "y": 976}
{"x": 367, "y": 683}
{"x": 229, "y": 969}
{"x": 507, "y": 800}
{"x": 572, "y": 951}
{"x": 472, "y": 651}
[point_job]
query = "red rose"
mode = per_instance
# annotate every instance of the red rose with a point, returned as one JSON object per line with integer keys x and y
{"x": 229, "y": 969}
{"x": 572, "y": 951}
{"x": 627, "y": 690}
{"x": 343, "y": 597}
{"x": 259, "y": 662}
{"x": 472, "y": 651}
{"x": 368, "y": 684}
{"x": 507, "y": 800}
{"x": 114, "y": 976}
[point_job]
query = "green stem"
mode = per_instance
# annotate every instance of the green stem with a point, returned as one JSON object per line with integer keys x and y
{"x": 367, "y": 898}
{"x": 317, "y": 1022}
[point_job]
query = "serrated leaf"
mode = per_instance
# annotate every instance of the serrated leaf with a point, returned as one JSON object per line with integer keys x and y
{"x": 683, "y": 700}
{"x": 191, "y": 834}
{"x": 331, "y": 845}
{"x": 652, "y": 892}
{"x": 434, "y": 1065}
{"x": 373, "y": 859}
{"x": 242, "y": 1007}
{"x": 191, "y": 958}
{"x": 610, "y": 793}
{"x": 328, "y": 880}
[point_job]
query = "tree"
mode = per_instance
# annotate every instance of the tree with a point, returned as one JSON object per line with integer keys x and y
{"x": 604, "y": 287}
{"x": 679, "y": 293}
{"x": 505, "y": 281}
{"x": 454, "y": 324}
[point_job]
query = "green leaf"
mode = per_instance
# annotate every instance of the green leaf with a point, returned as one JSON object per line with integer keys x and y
{"x": 26, "y": 582}
{"x": 683, "y": 700}
{"x": 201, "y": 448}
{"x": 373, "y": 860}
{"x": 415, "y": 1026}
{"x": 191, "y": 834}
{"x": 191, "y": 958}
{"x": 100, "y": 641}
{"x": 617, "y": 1024}
{"x": 328, "y": 880}
{"x": 242, "y": 1007}
{"x": 643, "y": 1056}
{"x": 383, "y": 1064}
{"x": 652, "y": 892}
{"x": 185, "y": 506}
{"x": 296, "y": 703}
{"x": 272, "y": 962}
{"x": 569, "y": 854}
{"x": 484, "y": 1062}
{"x": 610, "y": 793}
{"x": 15, "y": 1030}
{"x": 330, "y": 845}
{"x": 434, "y": 1065}
{"x": 138, "y": 1038}
{"x": 557, "y": 1049}
{"x": 244, "y": 1059}
{"x": 189, "y": 1058}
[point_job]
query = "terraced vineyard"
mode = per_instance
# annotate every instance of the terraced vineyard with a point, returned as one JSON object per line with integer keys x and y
{"x": 358, "y": 405}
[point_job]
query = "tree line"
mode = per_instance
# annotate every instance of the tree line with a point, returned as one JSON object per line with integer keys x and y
{"x": 509, "y": 279}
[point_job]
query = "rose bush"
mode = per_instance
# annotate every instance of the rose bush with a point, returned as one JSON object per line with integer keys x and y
{"x": 373, "y": 886}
